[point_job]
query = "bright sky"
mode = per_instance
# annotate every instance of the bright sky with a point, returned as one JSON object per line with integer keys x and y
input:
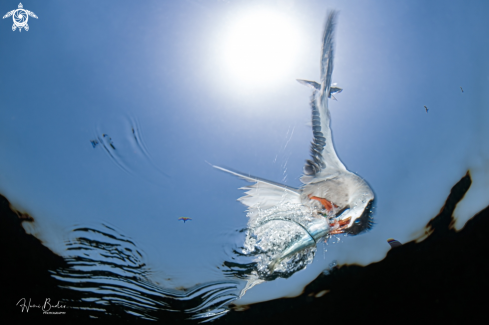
{"x": 214, "y": 81}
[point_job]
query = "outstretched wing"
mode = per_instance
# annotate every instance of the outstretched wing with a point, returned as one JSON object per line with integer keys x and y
{"x": 327, "y": 53}
{"x": 324, "y": 162}
{"x": 30, "y": 13}
{"x": 8, "y": 14}
{"x": 264, "y": 194}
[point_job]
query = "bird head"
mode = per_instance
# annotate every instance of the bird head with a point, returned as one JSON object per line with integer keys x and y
{"x": 356, "y": 217}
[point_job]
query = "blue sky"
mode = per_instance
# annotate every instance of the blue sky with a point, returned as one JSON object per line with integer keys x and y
{"x": 100, "y": 67}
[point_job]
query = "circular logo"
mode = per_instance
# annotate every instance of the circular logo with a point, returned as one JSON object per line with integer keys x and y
{"x": 20, "y": 17}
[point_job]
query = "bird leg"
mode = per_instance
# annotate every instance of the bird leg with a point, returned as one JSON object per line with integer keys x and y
{"x": 326, "y": 204}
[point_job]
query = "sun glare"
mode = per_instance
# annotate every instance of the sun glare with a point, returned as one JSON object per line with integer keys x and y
{"x": 260, "y": 47}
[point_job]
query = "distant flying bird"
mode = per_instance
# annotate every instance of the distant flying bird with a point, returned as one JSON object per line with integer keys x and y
{"x": 184, "y": 219}
{"x": 339, "y": 200}
{"x": 393, "y": 242}
{"x": 461, "y": 89}
{"x": 94, "y": 143}
{"x": 426, "y": 108}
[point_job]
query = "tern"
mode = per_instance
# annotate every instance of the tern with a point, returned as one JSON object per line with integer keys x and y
{"x": 329, "y": 191}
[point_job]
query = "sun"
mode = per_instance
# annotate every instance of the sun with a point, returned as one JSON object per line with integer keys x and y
{"x": 260, "y": 47}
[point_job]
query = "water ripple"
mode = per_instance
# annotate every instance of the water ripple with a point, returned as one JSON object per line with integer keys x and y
{"x": 109, "y": 272}
{"x": 123, "y": 143}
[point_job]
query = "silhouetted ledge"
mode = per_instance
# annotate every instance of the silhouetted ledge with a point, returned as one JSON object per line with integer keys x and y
{"x": 441, "y": 279}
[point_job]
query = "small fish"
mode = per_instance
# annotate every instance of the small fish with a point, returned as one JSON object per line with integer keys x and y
{"x": 461, "y": 89}
{"x": 315, "y": 230}
{"x": 94, "y": 143}
{"x": 426, "y": 108}
{"x": 393, "y": 242}
{"x": 184, "y": 219}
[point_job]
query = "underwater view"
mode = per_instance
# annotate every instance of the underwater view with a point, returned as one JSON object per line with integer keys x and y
{"x": 236, "y": 162}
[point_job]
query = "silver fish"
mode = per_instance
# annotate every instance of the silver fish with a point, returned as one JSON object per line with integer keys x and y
{"x": 315, "y": 230}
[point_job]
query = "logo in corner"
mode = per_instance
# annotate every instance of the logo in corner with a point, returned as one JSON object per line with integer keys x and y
{"x": 20, "y": 17}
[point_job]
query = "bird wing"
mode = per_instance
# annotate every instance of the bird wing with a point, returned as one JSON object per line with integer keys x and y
{"x": 335, "y": 90}
{"x": 327, "y": 52}
{"x": 324, "y": 162}
{"x": 8, "y": 14}
{"x": 30, "y": 13}
{"x": 264, "y": 194}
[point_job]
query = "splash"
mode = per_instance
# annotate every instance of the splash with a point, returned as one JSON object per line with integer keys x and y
{"x": 271, "y": 233}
